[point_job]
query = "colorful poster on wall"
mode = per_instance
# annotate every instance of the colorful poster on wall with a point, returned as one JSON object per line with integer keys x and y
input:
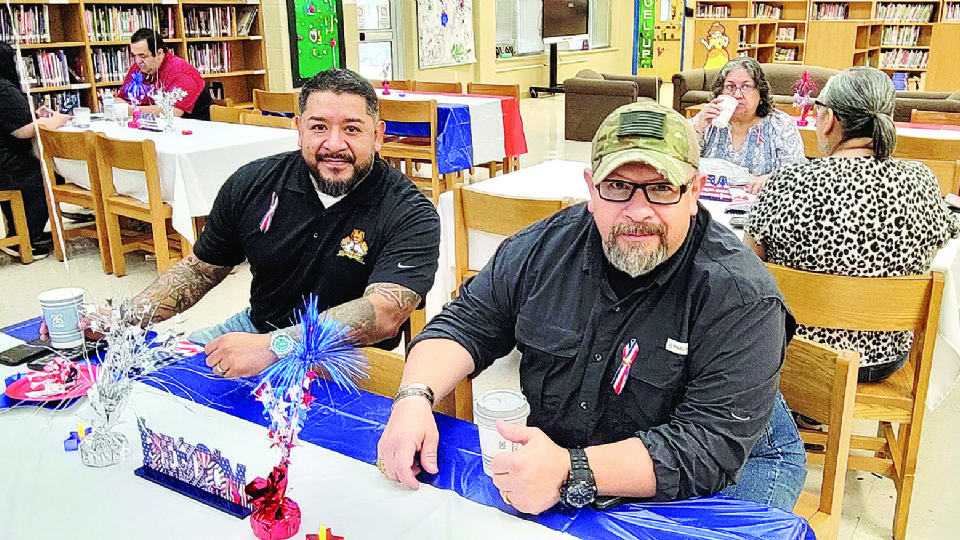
{"x": 445, "y": 29}
{"x": 645, "y": 20}
{"x": 316, "y": 37}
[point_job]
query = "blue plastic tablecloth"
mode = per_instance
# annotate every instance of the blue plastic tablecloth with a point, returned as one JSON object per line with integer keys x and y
{"x": 454, "y": 137}
{"x": 354, "y": 427}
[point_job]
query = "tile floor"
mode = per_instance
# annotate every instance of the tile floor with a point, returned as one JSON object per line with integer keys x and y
{"x": 869, "y": 500}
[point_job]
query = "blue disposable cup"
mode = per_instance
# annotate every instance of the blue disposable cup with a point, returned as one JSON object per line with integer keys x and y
{"x": 62, "y": 312}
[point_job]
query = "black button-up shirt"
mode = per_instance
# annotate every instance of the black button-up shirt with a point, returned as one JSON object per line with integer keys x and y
{"x": 711, "y": 326}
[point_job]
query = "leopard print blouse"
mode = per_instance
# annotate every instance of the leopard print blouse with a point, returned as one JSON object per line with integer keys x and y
{"x": 854, "y": 217}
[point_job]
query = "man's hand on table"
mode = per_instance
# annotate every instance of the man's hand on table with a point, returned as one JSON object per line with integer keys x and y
{"x": 239, "y": 354}
{"x": 529, "y": 479}
{"x": 85, "y": 324}
{"x": 411, "y": 429}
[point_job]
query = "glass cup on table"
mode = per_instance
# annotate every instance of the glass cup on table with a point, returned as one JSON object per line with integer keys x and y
{"x": 81, "y": 117}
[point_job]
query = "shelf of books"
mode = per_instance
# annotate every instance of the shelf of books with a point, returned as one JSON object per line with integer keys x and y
{"x": 74, "y": 50}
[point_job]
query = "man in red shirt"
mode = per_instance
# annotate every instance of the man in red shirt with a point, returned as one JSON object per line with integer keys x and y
{"x": 162, "y": 67}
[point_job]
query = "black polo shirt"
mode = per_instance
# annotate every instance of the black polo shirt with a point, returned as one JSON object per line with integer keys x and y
{"x": 16, "y": 155}
{"x": 384, "y": 231}
{"x": 711, "y": 327}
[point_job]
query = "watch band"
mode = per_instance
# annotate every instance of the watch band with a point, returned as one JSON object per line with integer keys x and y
{"x": 578, "y": 459}
{"x": 414, "y": 389}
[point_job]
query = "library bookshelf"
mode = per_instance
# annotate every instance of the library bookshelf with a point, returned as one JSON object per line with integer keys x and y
{"x": 915, "y": 37}
{"x": 73, "y": 50}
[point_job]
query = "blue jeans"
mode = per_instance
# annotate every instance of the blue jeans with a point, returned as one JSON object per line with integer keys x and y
{"x": 238, "y": 323}
{"x": 776, "y": 469}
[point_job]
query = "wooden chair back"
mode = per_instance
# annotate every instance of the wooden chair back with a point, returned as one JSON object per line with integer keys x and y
{"x": 509, "y": 90}
{"x": 810, "y": 144}
{"x": 908, "y": 303}
{"x": 278, "y": 102}
{"x": 136, "y": 156}
{"x": 262, "y": 120}
{"x": 395, "y": 85}
{"x": 922, "y": 148}
{"x": 78, "y": 146}
{"x": 386, "y": 370}
{"x": 411, "y": 150}
{"x": 493, "y": 214}
{"x": 445, "y": 87}
{"x": 935, "y": 117}
{"x": 230, "y": 115}
{"x": 819, "y": 382}
{"x": 22, "y": 238}
{"x": 947, "y": 173}
{"x": 225, "y": 102}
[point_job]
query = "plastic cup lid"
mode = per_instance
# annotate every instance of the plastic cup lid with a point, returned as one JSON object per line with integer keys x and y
{"x": 502, "y": 404}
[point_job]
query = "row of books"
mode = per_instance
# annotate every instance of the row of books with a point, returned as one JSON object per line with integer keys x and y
{"x": 112, "y": 23}
{"x": 904, "y": 58}
{"x": 831, "y": 12}
{"x": 49, "y": 69}
{"x": 905, "y": 12}
{"x": 30, "y": 23}
{"x": 64, "y": 101}
{"x": 951, "y": 12}
{"x": 209, "y": 57}
{"x": 709, "y": 11}
{"x": 786, "y": 54}
{"x": 900, "y": 35}
{"x": 218, "y": 21}
{"x": 787, "y": 33}
{"x": 766, "y": 11}
{"x": 110, "y": 64}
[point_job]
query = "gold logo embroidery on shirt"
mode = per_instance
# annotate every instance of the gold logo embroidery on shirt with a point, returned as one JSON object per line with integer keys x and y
{"x": 353, "y": 246}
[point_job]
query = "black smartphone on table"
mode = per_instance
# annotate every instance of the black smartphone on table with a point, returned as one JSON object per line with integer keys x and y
{"x": 37, "y": 353}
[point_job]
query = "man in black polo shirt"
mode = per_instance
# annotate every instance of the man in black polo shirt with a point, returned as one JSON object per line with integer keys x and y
{"x": 643, "y": 268}
{"x": 331, "y": 220}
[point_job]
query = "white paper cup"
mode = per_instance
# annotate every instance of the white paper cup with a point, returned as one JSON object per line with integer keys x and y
{"x": 727, "y": 105}
{"x": 61, "y": 311}
{"x": 81, "y": 117}
{"x": 507, "y": 405}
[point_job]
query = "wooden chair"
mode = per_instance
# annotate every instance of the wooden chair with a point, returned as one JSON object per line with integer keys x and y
{"x": 509, "y": 163}
{"x": 79, "y": 146}
{"x": 493, "y": 214}
{"x": 810, "y": 144}
{"x": 386, "y": 370}
{"x": 909, "y": 303}
{"x": 445, "y": 87}
{"x": 819, "y": 382}
{"x": 22, "y": 238}
{"x": 417, "y": 149}
{"x": 934, "y": 117}
{"x": 225, "y": 102}
{"x": 162, "y": 241}
{"x": 277, "y": 102}
{"x": 257, "y": 119}
{"x": 230, "y": 115}
{"x": 406, "y": 86}
{"x": 940, "y": 155}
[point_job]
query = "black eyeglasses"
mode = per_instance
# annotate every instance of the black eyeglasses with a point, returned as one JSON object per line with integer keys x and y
{"x": 656, "y": 193}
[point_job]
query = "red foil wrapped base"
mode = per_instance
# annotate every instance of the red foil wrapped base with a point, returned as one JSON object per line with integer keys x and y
{"x": 276, "y": 523}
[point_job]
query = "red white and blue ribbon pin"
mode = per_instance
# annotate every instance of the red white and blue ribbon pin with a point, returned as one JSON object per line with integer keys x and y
{"x": 629, "y": 354}
{"x": 268, "y": 217}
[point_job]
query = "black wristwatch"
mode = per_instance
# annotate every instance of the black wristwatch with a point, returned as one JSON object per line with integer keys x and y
{"x": 579, "y": 489}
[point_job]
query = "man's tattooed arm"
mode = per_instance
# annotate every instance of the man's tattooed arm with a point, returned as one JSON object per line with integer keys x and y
{"x": 180, "y": 287}
{"x": 378, "y": 314}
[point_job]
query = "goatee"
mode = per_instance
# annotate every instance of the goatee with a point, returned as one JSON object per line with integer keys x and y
{"x": 635, "y": 260}
{"x": 339, "y": 188}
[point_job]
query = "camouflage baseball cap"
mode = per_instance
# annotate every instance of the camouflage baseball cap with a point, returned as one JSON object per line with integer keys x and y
{"x": 650, "y": 133}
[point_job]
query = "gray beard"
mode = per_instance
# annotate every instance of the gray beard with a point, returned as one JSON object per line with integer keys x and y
{"x": 339, "y": 188}
{"x": 635, "y": 261}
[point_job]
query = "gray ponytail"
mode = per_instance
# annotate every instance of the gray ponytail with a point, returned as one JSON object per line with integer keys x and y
{"x": 862, "y": 99}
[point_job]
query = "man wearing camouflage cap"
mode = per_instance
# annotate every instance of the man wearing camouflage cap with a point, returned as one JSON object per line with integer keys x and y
{"x": 651, "y": 342}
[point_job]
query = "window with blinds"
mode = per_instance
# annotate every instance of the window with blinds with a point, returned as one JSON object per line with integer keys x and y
{"x": 518, "y": 26}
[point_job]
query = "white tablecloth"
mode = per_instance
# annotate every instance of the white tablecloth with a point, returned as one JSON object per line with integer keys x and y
{"x": 558, "y": 179}
{"x": 49, "y": 493}
{"x": 192, "y": 167}
{"x": 486, "y": 120}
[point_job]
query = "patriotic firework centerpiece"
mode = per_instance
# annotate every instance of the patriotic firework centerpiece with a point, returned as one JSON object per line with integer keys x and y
{"x": 803, "y": 95}
{"x": 166, "y": 100}
{"x": 285, "y": 392}
{"x": 137, "y": 90}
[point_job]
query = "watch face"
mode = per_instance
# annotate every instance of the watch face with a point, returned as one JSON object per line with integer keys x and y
{"x": 580, "y": 493}
{"x": 281, "y": 344}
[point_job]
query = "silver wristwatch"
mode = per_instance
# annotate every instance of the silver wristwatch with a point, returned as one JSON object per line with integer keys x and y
{"x": 282, "y": 344}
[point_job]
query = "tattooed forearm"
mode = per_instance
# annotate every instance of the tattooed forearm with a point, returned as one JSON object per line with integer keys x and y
{"x": 180, "y": 287}
{"x": 402, "y": 298}
{"x": 361, "y": 317}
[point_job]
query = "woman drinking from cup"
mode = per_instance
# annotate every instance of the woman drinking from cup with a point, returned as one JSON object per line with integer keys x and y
{"x": 741, "y": 125}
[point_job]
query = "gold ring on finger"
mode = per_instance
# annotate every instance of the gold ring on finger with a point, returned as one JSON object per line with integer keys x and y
{"x": 381, "y": 466}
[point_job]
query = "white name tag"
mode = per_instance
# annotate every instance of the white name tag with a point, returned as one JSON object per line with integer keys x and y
{"x": 676, "y": 347}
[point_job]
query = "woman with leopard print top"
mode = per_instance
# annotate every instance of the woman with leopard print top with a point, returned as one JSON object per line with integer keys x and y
{"x": 856, "y": 212}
